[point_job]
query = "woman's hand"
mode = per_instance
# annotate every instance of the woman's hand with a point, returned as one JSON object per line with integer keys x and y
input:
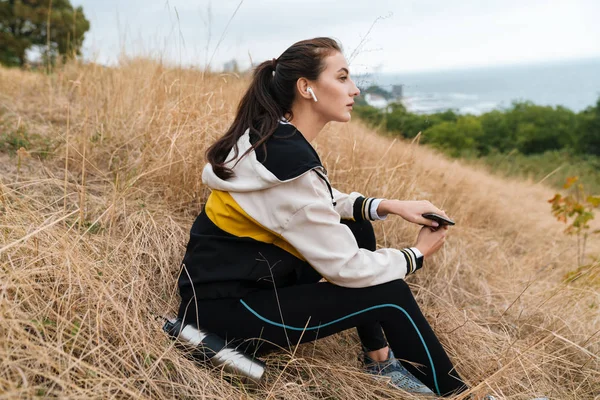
{"x": 410, "y": 210}
{"x": 431, "y": 240}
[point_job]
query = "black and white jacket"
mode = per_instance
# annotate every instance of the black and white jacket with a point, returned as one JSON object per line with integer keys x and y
{"x": 278, "y": 214}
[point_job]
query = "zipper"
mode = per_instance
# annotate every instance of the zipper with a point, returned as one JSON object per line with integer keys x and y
{"x": 328, "y": 186}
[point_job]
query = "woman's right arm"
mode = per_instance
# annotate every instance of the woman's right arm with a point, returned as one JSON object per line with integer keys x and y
{"x": 314, "y": 230}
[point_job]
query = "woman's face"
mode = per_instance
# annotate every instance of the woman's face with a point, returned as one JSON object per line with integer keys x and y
{"x": 335, "y": 90}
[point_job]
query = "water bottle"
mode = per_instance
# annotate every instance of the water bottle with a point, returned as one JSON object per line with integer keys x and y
{"x": 208, "y": 347}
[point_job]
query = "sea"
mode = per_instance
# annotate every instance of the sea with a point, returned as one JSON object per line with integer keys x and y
{"x": 571, "y": 84}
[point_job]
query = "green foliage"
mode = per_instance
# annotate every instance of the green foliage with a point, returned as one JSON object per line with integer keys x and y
{"x": 497, "y": 134}
{"x": 11, "y": 141}
{"x": 525, "y": 127}
{"x": 92, "y": 227}
{"x": 398, "y": 120}
{"x": 538, "y": 142}
{"x": 552, "y": 167}
{"x": 577, "y": 206}
{"x": 541, "y": 128}
{"x": 458, "y": 138}
{"x": 27, "y": 23}
{"x": 369, "y": 114}
{"x": 588, "y": 138}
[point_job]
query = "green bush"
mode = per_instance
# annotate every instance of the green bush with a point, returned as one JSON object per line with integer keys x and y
{"x": 541, "y": 128}
{"x": 525, "y": 139}
{"x": 588, "y": 138}
{"x": 526, "y": 127}
{"x": 12, "y": 140}
{"x": 459, "y": 138}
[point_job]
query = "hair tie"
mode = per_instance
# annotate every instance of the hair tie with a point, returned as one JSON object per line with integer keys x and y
{"x": 274, "y": 65}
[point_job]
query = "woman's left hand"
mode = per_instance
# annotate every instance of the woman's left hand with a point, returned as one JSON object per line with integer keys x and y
{"x": 410, "y": 210}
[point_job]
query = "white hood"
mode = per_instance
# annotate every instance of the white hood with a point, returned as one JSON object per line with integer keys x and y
{"x": 249, "y": 173}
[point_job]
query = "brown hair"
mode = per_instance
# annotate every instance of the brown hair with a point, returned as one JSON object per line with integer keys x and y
{"x": 270, "y": 96}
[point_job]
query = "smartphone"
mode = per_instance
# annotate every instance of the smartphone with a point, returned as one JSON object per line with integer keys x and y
{"x": 440, "y": 219}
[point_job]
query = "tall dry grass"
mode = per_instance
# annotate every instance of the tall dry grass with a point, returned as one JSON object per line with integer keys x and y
{"x": 92, "y": 237}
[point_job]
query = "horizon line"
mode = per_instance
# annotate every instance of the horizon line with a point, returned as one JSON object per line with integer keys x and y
{"x": 492, "y": 66}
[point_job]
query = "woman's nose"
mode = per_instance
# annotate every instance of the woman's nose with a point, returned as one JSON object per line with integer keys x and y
{"x": 356, "y": 91}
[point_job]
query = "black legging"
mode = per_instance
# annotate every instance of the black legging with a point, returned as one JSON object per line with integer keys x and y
{"x": 312, "y": 310}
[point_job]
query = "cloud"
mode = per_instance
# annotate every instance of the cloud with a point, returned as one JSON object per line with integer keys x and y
{"x": 427, "y": 34}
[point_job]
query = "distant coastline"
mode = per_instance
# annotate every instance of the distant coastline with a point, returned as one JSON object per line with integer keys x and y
{"x": 573, "y": 84}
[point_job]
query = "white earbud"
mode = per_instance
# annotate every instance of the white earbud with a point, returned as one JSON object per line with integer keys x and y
{"x": 309, "y": 90}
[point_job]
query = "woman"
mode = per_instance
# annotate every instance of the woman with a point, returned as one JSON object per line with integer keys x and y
{"x": 273, "y": 227}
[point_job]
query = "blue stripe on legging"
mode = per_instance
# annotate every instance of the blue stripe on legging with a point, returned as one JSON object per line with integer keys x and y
{"x": 293, "y": 328}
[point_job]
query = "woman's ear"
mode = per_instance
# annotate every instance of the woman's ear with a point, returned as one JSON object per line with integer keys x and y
{"x": 302, "y": 85}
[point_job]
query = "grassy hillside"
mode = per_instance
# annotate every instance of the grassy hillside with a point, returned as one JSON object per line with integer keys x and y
{"x": 94, "y": 218}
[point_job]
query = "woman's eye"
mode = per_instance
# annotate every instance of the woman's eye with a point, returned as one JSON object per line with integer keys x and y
{"x": 343, "y": 78}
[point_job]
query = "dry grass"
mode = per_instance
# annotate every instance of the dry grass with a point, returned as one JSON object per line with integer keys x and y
{"x": 91, "y": 238}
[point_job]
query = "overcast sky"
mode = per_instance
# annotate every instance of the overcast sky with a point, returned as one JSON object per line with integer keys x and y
{"x": 405, "y": 35}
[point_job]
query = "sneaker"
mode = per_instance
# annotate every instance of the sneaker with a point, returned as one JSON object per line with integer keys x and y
{"x": 400, "y": 377}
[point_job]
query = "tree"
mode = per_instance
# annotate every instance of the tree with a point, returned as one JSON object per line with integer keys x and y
{"x": 458, "y": 139}
{"x": 26, "y": 23}
{"x": 541, "y": 128}
{"x": 589, "y": 130}
{"x": 497, "y": 134}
